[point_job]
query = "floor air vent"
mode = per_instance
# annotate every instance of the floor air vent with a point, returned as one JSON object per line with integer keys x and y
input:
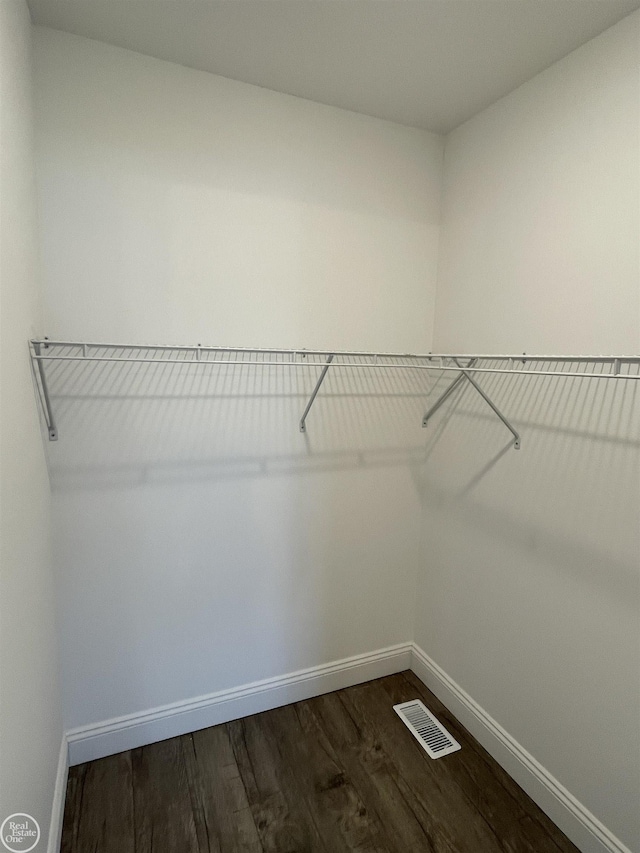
{"x": 430, "y": 734}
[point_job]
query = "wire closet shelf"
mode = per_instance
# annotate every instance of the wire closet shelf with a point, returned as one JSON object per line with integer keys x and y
{"x": 594, "y": 367}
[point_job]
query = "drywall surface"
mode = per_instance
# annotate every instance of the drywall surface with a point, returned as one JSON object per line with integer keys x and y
{"x": 531, "y": 574}
{"x": 195, "y": 208}
{"x": 30, "y": 715}
{"x": 539, "y": 248}
{"x": 202, "y": 541}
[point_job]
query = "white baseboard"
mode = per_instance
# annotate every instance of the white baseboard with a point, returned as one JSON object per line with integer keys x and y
{"x": 576, "y": 821}
{"x": 59, "y": 793}
{"x": 107, "y": 738}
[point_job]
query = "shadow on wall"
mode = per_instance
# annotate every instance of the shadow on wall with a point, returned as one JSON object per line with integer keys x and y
{"x": 572, "y": 491}
{"x": 531, "y": 573}
{"x": 202, "y": 541}
{"x": 131, "y": 423}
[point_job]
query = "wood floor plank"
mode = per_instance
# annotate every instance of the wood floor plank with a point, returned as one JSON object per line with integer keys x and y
{"x": 283, "y": 819}
{"x": 93, "y": 821}
{"x": 164, "y": 818}
{"x": 500, "y": 799}
{"x": 427, "y": 782}
{"x": 321, "y": 779}
{"x": 405, "y": 824}
{"x": 72, "y": 809}
{"x": 477, "y": 779}
{"x": 223, "y": 816}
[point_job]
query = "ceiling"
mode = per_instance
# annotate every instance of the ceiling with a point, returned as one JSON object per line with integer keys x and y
{"x": 425, "y": 63}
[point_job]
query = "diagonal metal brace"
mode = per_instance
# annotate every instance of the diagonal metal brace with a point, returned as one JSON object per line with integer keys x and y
{"x": 46, "y": 401}
{"x": 464, "y": 374}
{"x": 491, "y": 404}
{"x": 446, "y": 394}
{"x": 303, "y": 427}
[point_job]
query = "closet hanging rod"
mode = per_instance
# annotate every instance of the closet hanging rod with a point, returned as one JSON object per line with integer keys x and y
{"x": 512, "y": 371}
{"x": 523, "y": 357}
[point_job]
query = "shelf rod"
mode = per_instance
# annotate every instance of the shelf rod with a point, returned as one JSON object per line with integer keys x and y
{"x": 303, "y": 427}
{"x": 596, "y": 359}
{"x": 353, "y": 366}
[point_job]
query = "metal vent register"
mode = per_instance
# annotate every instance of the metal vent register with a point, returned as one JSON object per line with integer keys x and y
{"x": 429, "y": 733}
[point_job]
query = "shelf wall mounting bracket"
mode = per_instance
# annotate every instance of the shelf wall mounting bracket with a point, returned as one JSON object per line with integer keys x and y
{"x": 303, "y": 426}
{"x": 446, "y": 394}
{"x": 491, "y": 404}
{"x": 464, "y": 374}
{"x": 46, "y": 400}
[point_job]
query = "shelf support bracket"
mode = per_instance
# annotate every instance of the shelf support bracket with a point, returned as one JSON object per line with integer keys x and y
{"x": 464, "y": 374}
{"x": 303, "y": 426}
{"x": 46, "y": 401}
{"x": 491, "y": 404}
{"x": 446, "y": 394}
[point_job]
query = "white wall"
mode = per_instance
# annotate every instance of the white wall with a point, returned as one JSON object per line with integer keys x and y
{"x": 181, "y": 206}
{"x": 531, "y": 575}
{"x": 201, "y": 540}
{"x": 30, "y": 715}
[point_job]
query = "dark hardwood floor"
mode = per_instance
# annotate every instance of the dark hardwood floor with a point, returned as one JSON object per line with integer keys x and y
{"x": 336, "y": 773}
